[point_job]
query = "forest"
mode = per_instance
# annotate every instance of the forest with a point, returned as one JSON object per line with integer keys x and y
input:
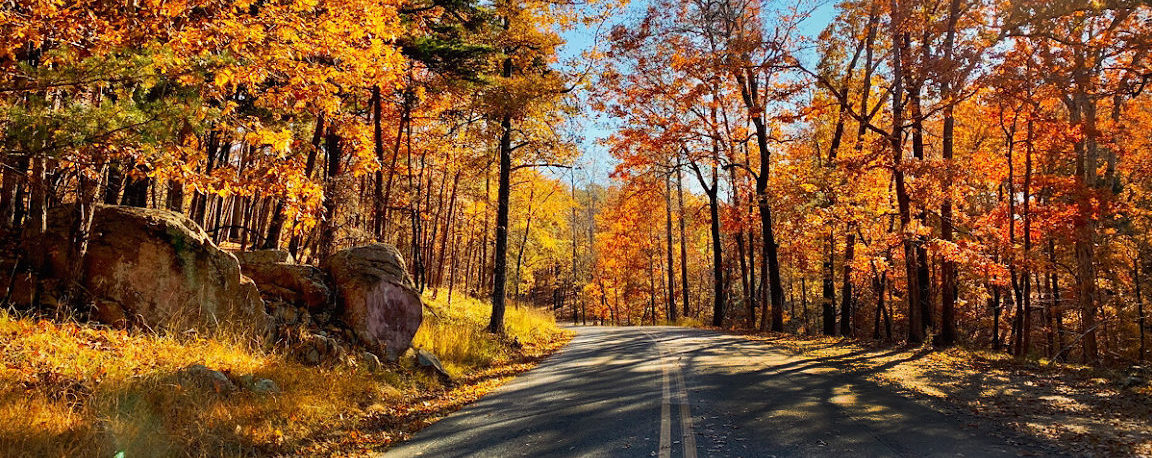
{"x": 928, "y": 174}
{"x": 955, "y": 171}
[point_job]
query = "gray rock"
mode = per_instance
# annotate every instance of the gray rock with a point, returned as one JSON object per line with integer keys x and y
{"x": 264, "y": 257}
{"x": 152, "y": 267}
{"x": 297, "y": 284}
{"x": 431, "y": 363}
{"x": 375, "y": 297}
{"x": 265, "y": 386}
{"x": 258, "y": 385}
{"x": 314, "y": 350}
{"x": 201, "y": 376}
{"x": 246, "y": 380}
{"x": 369, "y": 361}
{"x": 286, "y": 314}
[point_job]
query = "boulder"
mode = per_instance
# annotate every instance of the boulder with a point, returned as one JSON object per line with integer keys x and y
{"x": 285, "y": 314}
{"x": 296, "y": 284}
{"x": 264, "y": 386}
{"x": 264, "y": 257}
{"x": 258, "y": 385}
{"x": 369, "y": 361}
{"x": 201, "y": 376}
{"x": 314, "y": 350}
{"x": 375, "y": 297}
{"x": 155, "y": 268}
{"x": 429, "y": 362}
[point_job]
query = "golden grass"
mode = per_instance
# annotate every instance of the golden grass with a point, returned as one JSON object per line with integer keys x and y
{"x": 457, "y": 332}
{"x": 68, "y": 389}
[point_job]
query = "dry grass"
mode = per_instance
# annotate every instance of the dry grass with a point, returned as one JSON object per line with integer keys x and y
{"x": 76, "y": 390}
{"x": 457, "y": 332}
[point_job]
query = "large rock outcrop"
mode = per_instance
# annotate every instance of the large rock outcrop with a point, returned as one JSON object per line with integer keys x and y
{"x": 263, "y": 257}
{"x": 279, "y": 279}
{"x": 375, "y": 296}
{"x": 155, "y": 268}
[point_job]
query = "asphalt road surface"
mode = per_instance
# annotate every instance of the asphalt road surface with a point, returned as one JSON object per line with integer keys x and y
{"x": 664, "y": 391}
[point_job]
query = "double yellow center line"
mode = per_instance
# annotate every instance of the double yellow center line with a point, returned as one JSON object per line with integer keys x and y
{"x": 672, "y": 378}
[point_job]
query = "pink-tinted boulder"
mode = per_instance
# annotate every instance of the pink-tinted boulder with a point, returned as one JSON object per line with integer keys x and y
{"x": 375, "y": 297}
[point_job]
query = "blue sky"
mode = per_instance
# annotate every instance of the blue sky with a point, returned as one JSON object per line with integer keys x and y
{"x": 595, "y": 164}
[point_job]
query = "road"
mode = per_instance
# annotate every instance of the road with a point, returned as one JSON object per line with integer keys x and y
{"x": 666, "y": 391}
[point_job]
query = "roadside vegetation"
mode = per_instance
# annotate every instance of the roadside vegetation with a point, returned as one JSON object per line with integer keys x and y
{"x": 1086, "y": 410}
{"x": 69, "y": 389}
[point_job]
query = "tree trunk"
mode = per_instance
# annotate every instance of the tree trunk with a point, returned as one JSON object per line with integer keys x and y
{"x": 523, "y": 243}
{"x": 668, "y": 238}
{"x": 878, "y": 288}
{"x": 136, "y": 192}
{"x": 994, "y": 304}
{"x": 416, "y": 183}
{"x": 199, "y": 208}
{"x": 275, "y": 227}
{"x": 1026, "y": 319}
{"x": 448, "y": 229}
{"x": 1017, "y": 292}
{"x": 83, "y": 211}
{"x": 683, "y": 240}
{"x": 384, "y": 196}
{"x": 572, "y": 280}
{"x": 1086, "y": 233}
{"x": 378, "y": 145}
{"x": 13, "y": 175}
{"x": 828, "y": 298}
{"x": 804, "y": 301}
{"x": 327, "y": 242}
{"x": 847, "y": 300}
{"x": 718, "y": 296}
{"x": 500, "y": 266}
{"x": 1139, "y": 306}
{"x": 482, "y": 274}
{"x": 740, "y": 247}
{"x": 923, "y": 281}
{"x": 948, "y": 267}
{"x": 915, "y": 323}
{"x": 174, "y": 198}
{"x": 38, "y": 198}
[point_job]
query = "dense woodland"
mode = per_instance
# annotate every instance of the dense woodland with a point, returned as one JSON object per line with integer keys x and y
{"x": 946, "y": 171}
{"x": 962, "y": 170}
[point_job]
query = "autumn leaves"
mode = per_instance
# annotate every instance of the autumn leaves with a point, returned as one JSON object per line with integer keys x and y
{"x": 961, "y": 160}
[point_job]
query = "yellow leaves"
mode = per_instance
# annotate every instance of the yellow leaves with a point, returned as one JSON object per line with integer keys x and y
{"x": 278, "y": 140}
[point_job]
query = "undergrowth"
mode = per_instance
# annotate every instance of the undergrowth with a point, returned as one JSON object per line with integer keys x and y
{"x": 69, "y": 389}
{"x": 457, "y": 332}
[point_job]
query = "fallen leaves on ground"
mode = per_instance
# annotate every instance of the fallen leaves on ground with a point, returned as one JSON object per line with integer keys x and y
{"x": 1084, "y": 410}
{"x": 383, "y": 426}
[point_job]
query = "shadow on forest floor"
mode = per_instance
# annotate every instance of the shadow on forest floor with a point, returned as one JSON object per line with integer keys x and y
{"x": 1087, "y": 411}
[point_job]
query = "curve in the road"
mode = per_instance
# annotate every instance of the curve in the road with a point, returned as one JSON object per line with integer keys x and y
{"x": 620, "y": 392}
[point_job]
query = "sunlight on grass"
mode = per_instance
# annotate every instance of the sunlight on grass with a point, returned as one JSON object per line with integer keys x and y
{"x": 68, "y": 389}
{"x": 457, "y": 332}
